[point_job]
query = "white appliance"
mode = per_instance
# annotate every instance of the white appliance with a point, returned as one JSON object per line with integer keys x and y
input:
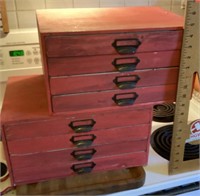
{"x": 19, "y": 55}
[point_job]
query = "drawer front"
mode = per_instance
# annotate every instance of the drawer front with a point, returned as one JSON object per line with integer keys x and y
{"x": 79, "y": 123}
{"x": 93, "y": 152}
{"x": 75, "y": 142}
{"x": 33, "y": 168}
{"x": 122, "y": 43}
{"x": 112, "y": 63}
{"x": 112, "y": 81}
{"x": 150, "y": 95}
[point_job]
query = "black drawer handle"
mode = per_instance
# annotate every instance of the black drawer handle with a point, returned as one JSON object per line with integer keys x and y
{"x": 126, "y": 46}
{"x": 81, "y": 126}
{"x": 126, "y": 84}
{"x": 83, "y": 167}
{"x": 125, "y": 99}
{"x": 83, "y": 154}
{"x": 130, "y": 65}
{"x": 83, "y": 140}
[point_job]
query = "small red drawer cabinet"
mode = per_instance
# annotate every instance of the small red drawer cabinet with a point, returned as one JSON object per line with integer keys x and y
{"x": 109, "y": 57}
{"x": 92, "y": 109}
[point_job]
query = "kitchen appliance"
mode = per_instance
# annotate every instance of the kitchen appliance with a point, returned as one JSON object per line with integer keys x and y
{"x": 19, "y": 55}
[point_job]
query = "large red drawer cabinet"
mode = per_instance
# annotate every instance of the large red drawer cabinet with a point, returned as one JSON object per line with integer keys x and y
{"x": 41, "y": 147}
{"x": 92, "y": 109}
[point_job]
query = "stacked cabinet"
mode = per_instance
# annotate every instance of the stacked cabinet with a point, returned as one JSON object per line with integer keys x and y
{"x": 109, "y": 57}
{"x": 91, "y": 111}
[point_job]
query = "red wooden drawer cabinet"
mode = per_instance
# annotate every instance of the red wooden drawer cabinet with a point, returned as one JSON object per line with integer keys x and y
{"x": 92, "y": 109}
{"x": 40, "y": 147}
{"x": 91, "y": 60}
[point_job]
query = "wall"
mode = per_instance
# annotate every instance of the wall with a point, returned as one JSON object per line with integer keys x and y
{"x": 21, "y": 13}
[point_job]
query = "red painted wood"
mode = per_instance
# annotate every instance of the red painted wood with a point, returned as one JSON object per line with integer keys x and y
{"x": 25, "y": 100}
{"x": 58, "y": 126}
{"x": 87, "y": 45}
{"x": 151, "y": 95}
{"x": 45, "y": 71}
{"x": 98, "y": 64}
{"x": 22, "y": 120}
{"x": 74, "y": 21}
{"x": 62, "y": 142}
{"x": 101, "y": 152}
{"x": 45, "y": 166}
{"x": 101, "y": 82}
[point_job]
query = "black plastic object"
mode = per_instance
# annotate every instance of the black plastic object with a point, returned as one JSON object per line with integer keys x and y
{"x": 130, "y": 65}
{"x": 161, "y": 143}
{"x": 185, "y": 188}
{"x": 4, "y": 169}
{"x": 122, "y": 47}
{"x": 164, "y": 112}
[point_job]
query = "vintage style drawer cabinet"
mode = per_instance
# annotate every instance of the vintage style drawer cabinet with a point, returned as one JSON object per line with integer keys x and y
{"x": 41, "y": 147}
{"x": 91, "y": 111}
{"x": 109, "y": 57}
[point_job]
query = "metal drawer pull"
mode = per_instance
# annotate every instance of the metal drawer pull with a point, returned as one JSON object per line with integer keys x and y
{"x": 81, "y": 126}
{"x": 126, "y": 84}
{"x": 129, "y": 64}
{"x": 125, "y": 99}
{"x": 83, "y": 154}
{"x": 83, "y": 140}
{"x": 83, "y": 167}
{"x": 126, "y": 46}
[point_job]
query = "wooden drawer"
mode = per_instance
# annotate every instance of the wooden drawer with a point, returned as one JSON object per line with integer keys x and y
{"x": 112, "y": 63}
{"x": 150, "y": 95}
{"x": 38, "y": 167}
{"x": 113, "y": 81}
{"x": 75, "y": 141}
{"x": 116, "y": 43}
{"x": 93, "y": 152}
{"x": 79, "y": 123}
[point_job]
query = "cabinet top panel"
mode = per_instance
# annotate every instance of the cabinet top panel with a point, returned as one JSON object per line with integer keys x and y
{"x": 25, "y": 98}
{"x": 105, "y": 20}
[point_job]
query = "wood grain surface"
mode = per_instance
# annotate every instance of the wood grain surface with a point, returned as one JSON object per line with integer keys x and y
{"x": 96, "y": 183}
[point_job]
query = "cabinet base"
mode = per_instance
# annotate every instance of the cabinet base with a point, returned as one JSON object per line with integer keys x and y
{"x": 88, "y": 184}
